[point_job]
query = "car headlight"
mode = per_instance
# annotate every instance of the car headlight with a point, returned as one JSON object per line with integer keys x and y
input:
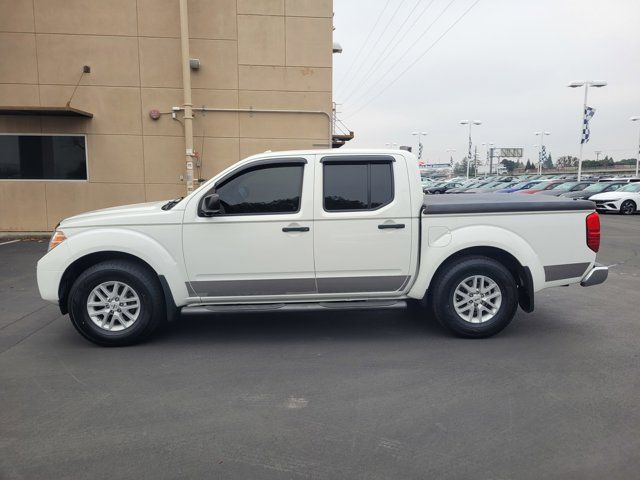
{"x": 56, "y": 239}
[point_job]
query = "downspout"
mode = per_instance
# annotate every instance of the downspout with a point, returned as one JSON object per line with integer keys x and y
{"x": 186, "y": 87}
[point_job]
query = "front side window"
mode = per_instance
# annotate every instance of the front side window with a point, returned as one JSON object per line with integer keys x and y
{"x": 269, "y": 189}
{"x": 358, "y": 185}
{"x": 43, "y": 157}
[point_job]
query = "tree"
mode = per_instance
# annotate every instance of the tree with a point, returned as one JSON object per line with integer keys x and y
{"x": 567, "y": 161}
{"x": 510, "y": 165}
{"x": 460, "y": 168}
{"x": 529, "y": 165}
{"x": 548, "y": 162}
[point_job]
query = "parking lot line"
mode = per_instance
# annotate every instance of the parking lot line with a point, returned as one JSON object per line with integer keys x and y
{"x": 10, "y": 241}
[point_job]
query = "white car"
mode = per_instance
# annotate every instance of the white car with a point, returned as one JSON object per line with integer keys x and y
{"x": 320, "y": 230}
{"x": 625, "y": 200}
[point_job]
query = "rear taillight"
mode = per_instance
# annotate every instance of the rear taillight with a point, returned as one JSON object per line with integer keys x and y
{"x": 593, "y": 231}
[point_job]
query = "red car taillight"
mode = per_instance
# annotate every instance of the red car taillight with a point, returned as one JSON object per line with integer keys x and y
{"x": 593, "y": 231}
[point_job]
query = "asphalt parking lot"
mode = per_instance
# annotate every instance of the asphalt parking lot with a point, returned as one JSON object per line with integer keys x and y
{"x": 368, "y": 395}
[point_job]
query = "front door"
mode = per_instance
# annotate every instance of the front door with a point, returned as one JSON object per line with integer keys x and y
{"x": 362, "y": 225}
{"x": 261, "y": 243}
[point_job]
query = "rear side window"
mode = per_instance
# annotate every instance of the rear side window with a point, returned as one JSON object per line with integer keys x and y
{"x": 357, "y": 185}
{"x": 263, "y": 190}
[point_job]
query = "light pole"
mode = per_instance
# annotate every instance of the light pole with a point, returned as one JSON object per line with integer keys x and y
{"x": 541, "y": 149}
{"x": 419, "y": 135}
{"x": 586, "y": 84}
{"x": 470, "y": 123}
{"x": 637, "y": 119}
{"x": 487, "y": 147}
{"x": 450, "y": 151}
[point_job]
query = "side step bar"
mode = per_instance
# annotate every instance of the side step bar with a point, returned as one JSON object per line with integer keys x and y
{"x": 295, "y": 307}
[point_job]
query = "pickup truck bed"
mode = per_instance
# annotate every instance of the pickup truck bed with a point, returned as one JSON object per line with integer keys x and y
{"x": 499, "y": 202}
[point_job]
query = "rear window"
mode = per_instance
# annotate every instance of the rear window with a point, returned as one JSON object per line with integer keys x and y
{"x": 359, "y": 185}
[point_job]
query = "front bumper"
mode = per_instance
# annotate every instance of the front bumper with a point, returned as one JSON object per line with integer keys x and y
{"x": 597, "y": 275}
{"x": 607, "y": 205}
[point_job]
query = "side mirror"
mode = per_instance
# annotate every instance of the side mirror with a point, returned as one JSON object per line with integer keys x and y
{"x": 210, "y": 205}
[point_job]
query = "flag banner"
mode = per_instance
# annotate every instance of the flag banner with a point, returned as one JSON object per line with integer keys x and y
{"x": 588, "y": 115}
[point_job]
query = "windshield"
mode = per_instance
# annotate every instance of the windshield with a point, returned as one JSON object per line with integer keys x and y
{"x": 597, "y": 187}
{"x": 519, "y": 185}
{"x": 564, "y": 187}
{"x": 632, "y": 187}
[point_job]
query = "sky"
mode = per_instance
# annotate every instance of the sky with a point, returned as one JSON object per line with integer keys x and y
{"x": 506, "y": 63}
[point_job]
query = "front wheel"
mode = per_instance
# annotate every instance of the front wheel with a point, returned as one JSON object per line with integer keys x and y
{"x": 116, "y": 303}
{"x": 628, "y": 207}
{"x": 475, "y": 297}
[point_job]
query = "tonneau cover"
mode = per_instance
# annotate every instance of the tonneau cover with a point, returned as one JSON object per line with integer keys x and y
{"x": 500, "y": 202}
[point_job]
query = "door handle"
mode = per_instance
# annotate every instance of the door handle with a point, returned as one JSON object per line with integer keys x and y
{"x": 295, "y": 229}
{"x": 383, "y": 226}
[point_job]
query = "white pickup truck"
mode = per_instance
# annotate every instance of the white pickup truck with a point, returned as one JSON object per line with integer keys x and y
{"x": 318, "y": 229}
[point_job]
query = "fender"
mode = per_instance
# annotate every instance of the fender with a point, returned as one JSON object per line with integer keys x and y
{"x": 435, "y": 251}
{"x": 133, "y": 243}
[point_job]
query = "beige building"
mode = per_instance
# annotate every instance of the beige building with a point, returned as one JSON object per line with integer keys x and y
{"x": 72, "y": 141}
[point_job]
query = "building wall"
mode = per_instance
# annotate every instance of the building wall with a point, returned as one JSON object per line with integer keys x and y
{"x": 273, "y": 54}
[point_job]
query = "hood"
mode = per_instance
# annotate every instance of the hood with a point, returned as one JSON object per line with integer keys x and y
{"x": 609, "y": 195}
{"x": 138, "y": 213}
{"x": 578, "y": 194}
{"x": 549, "y": 192}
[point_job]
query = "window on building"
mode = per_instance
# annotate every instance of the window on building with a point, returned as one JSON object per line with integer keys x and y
{"x": 43, "y": 157}
{"x": 270, "y": 189}
{"x": 357, "y": 185}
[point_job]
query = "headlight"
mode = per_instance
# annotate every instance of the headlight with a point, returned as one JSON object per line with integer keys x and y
{"x": 56, "y": 239}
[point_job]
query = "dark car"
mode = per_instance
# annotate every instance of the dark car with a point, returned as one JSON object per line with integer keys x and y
{"x": 565, "y": 187}
{"x": 598, "y": 187}
{"x": 465, "y": 187}
{"x": 490, "y": 187}
{"x": 443, "y": 187}
{"x": 519, "y": 186}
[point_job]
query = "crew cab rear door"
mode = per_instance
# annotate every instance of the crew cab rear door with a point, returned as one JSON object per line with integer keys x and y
{"x": 362, "y": 225}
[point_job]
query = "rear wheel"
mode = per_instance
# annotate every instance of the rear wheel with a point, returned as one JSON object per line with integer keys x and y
{"x": 116, "y": 303}
{"x": 475, "y": 297}
{"x": 628, "y": 207}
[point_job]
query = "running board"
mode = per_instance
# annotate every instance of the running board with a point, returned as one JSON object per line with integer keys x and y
{"x": 296, "y": 307}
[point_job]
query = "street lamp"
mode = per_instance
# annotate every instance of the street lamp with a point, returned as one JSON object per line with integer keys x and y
{"x": 470, "y": 123}
{"x": 586, "y": 84}
{"x": 637, "y": 119}
{"x": 488, "y": 148}
{"x": 419, "y": 135}
{"x": 541, "y": 149}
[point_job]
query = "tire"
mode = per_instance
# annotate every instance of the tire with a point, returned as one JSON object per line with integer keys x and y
{"x": 628, "y": 207}
{"x": 484, "y": 322}
{"x": 113, "y": 276}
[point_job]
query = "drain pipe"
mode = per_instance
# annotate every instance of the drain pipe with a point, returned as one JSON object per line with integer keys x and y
{"x": 174, "y": 111}
{"x": 186, "y": 87}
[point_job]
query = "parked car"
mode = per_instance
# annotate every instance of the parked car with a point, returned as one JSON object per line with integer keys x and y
{"x": 316, "y": 229}
{"x": 519, "y": 186}
{"x": 543, "y": 185}
{"x": 564, "y": 187}
{"x": 598, "y": 187}
{"x": 465, "y": 187}
{"x": 490, "y": 187}
{"x": 625, "y": 200}
{"x": 442, "y": 188}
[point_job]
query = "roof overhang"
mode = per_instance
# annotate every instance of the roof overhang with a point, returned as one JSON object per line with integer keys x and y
{"x": 45, "y": 111}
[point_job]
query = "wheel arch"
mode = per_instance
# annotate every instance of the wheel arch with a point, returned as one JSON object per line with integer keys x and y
{"x": 521, "y": 273}
{"x": 82, "y": 263}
